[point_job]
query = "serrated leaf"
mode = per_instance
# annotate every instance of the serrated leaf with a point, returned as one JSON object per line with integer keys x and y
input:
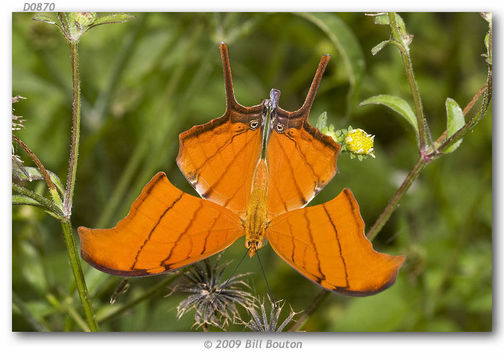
{"x": 35, "y": 174}
{"x": 397, "y": 104}
{"x": 378, "y": 47}
{"x": 454, "y": 121}
{"x": 44, "y": 18}
{"x": 112, "y": 19}
{"x": 348, "y": 46}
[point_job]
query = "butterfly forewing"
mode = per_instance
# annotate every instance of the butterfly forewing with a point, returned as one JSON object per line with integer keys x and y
{"x": 219, "y": 158}
{"x": 301, "y": 160}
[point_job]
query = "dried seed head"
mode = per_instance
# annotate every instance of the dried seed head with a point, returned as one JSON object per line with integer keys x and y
{"x": 215, "y": 300}
{"x": 260, "y": 321}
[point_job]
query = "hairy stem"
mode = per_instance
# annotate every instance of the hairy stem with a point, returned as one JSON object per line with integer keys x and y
{"x": 78, "y": 274}
{"x": 43, "y": 171}
{"x": 460, "y": 133}
{"x": 408, "y": 66}
{"x": 76, "y": 110}
{"x": 394, "y": 201}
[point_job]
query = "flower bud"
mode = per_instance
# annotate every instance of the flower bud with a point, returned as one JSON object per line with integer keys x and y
{"x": 359, "y": 142}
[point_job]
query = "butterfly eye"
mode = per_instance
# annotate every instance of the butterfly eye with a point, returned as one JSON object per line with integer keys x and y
{"x": 279, "y": 127}
{"x": 254, "y": 124}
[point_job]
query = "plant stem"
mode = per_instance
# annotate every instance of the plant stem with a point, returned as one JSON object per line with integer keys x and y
{"x": 460, "y": 133}
{"x": 37, "y": 324}
{"x": 74, "y": 150}
{"x": 43, "y": 171}
{"x": 313, "y": 306}
{"x": 475, "y": 98}
{"x": 394, "y": 201}
{"x": 148, "y": 294}
{"x": 65, "y": 307}
{"x": 78, "y": 274}
{"x": 408, "y": 66}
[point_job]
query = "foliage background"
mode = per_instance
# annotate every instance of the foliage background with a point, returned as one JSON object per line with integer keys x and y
{"x": 145, "y": 81}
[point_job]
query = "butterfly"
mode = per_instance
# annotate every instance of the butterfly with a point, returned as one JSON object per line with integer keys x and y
{"x": 255, "y": 168}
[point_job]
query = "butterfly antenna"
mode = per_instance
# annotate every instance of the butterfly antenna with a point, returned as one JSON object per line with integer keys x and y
{"x": 266, "y": 279}
{"x": 236, "y": 267}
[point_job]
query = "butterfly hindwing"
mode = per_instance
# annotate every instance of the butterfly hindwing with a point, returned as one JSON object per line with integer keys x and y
{"x": 165, "y": 229}
{"x": 326, "y": 244}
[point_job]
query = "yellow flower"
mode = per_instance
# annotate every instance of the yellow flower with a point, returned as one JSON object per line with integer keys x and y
{"x": 359, "y": 142}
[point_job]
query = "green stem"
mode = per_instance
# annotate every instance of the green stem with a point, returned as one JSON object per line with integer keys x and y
{"x": 148, "y": 294}
{"x": 319, "y": 298}
{"x": 65, "y": 307}
{"x": 394, "y": 201}
{"x": 25, "y": 311}
{"x": 408, "y": 66}
{"x": 460, "y": 133}
{"x": 76, "y": 110}
{"x": 78, "y": 274}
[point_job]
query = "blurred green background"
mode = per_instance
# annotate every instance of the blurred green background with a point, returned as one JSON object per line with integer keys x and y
{"x": 145, "y": 81}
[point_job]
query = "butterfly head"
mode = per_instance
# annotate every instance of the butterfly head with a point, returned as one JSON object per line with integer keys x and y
{"x": 253, "y": 244}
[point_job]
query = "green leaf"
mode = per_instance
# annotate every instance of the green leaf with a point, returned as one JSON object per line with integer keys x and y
{"x": 455, "y": 120}
{"x": 348, "y": 46}
{"x": 24, "y": 200}
{"x": 381, "y": 19}
{"x": 112, "y": 19}
{"x": 18, "y": 199}
{"x": 378, "y": 47}
{"x": 397, "y": 104}
{"x": 44, "y": 18}
{"x": 35, "y": 174}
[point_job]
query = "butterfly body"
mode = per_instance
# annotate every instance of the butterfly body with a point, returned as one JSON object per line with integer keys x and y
{"x": 255, "y": 169}
{"x": 257, "y": 217}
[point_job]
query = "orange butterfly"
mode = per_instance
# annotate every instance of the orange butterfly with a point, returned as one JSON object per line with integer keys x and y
{"x": 255, "y": 169}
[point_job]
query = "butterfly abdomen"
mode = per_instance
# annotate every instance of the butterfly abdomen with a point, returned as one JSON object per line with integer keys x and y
{"x": 256, "y": 220}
